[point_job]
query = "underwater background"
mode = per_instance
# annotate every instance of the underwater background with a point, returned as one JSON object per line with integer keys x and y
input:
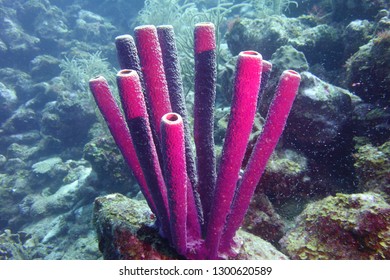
{"x": 326, "y": 190}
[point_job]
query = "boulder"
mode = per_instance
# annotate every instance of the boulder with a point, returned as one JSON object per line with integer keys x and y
{"x": 126, "y": 231}
{"x": 345, "y": 226}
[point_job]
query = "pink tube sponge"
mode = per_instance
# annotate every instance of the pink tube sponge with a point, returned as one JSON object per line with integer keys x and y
{"x": 243, "y": 108}
{"x": 204, "y": 37}
{"x": 156, "y": 141}
{"x": 157, "y": 94}
{"x": 119, "y": 131}
{"x": 175, "y": 174}
{"x": 265, "y": 145}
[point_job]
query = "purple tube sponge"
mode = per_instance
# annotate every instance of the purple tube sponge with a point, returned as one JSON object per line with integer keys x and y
{"x": 243, "y": 109}
{"x": 166, "y": 37}
{"x": 156, "y": 87}
{"x": 171, "y": 63}
{"x": 127, "y": 53}
{"x": 137, "y": 119}
{"x": 167, "y": 41}
{"x": 204, "y": 103}
{"x": 266, "y": 73}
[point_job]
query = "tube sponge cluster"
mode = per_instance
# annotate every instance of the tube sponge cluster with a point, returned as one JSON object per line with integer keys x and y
{"x": 198, "y": 207}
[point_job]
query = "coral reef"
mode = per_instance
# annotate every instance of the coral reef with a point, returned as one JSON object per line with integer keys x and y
{"x": 335, "y": 142}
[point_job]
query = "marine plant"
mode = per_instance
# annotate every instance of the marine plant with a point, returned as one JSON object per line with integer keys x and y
{"x": 173, "y": 12}
{"x": 78, "y": 69}
{"x": 198, "y": 207}
{"x": 182, "y": 15}
{"x": 267, "y": 7}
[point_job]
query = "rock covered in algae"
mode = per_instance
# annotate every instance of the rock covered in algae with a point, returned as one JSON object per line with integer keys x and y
{"x": 262, "y": 219}
{"x": 365, "y": 9}
{"x": 107, "y": 161}
{"x": 321, "y": 112}
{"x": 367, "y": 69}
{"x": 125, "y": 229}
{"x": 269, "y": 33}
{"x": 12, "y": 245}
{"x": 372, "y": 165}
{"x": 345, "y": 226}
